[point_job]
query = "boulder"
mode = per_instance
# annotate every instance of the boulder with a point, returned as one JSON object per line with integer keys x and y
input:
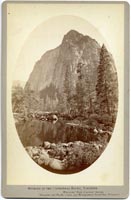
{"x": 70, "y": 144}
{"x": 53, "y": 145}
{"x": 64, "y": 145}
{"x": 35, "y": 151}
{"x": 56, "y": 164}
{"x": 43, "y": 159}
{"x": 35, "y": 158}
{"x": 46, "y": 145}
{"x": 54, "y": 117}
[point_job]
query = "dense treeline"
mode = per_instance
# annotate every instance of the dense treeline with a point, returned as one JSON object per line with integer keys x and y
{"x": 25, "y": 101}
{"x": 77, "y": 99}
{"x": 83, "y": 101}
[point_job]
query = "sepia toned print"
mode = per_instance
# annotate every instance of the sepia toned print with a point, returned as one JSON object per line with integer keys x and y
{"x": 66, "y": 111}
{"x": 65, "y": 100}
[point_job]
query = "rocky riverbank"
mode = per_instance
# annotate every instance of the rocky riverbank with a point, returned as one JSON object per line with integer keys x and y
{"x": 72, "y": 156}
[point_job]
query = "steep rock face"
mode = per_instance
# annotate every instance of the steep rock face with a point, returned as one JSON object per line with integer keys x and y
{"x": 42, "y": 74}
{"x": 49, "y": 71}
{"x": 76, "y": 48}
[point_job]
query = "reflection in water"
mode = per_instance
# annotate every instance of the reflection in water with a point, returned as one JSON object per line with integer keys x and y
{"x": 35, "y": 132}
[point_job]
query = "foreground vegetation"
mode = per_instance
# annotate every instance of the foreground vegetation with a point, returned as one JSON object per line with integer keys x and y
{"x": 67, "y": 157}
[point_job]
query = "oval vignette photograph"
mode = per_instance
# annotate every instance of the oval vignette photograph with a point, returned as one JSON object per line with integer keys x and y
{"x": 65, "y": 95}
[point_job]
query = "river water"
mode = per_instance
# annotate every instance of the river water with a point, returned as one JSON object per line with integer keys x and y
{"x": 35, "y": 132}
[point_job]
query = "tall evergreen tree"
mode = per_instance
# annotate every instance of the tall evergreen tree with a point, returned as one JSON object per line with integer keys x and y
{"x": 69, "y": 88}
{"x": 80, "y": 88}
{"x": 107, "y": 85}
{"x": 88, "y": 89}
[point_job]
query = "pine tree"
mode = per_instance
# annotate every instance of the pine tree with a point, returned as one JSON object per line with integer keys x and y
{"x": 88, "y": 90}
{"x": 80, "y": 88}
{"x": 107, "y": 85}
{"x": 68, "y": 96}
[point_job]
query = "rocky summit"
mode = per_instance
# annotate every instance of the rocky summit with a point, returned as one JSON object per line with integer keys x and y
{"x": 48, "y": 75}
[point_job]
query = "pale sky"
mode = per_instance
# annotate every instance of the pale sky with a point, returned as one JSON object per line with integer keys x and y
{"x": 49, "y": 35}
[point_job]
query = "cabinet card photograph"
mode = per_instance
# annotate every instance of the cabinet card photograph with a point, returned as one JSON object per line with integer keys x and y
{"x": 65, "y": 77}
